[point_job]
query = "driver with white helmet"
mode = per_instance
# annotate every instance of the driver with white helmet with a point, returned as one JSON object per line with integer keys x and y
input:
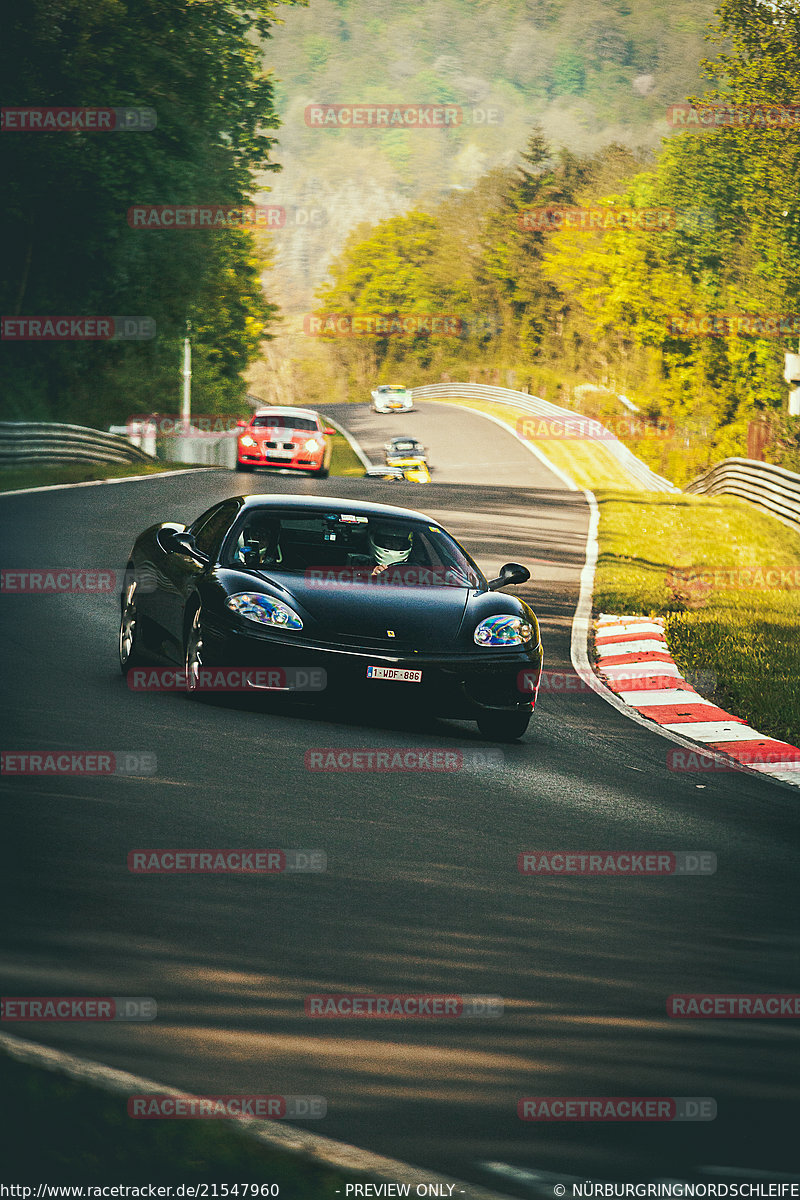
{"x": 390, "y": 546}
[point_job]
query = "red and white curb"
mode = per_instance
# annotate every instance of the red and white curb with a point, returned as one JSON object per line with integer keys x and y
{"x": 635, "y": 663}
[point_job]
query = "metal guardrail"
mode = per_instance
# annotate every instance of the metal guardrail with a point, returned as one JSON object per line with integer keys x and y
{"x": 48, "y": 442}
{"x": 202, "y": 449}
{"x": 772, "y": 488}
{"x": 193, "y": 446}
{"x": 534, "y": 405}
{"x": 213, "y": 449}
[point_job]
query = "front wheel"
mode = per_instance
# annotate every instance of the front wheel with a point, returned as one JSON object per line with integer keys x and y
{"x": 504, "y": 726}
{"x": 240, "y": 467}
{"x": 129, "y": 630}
{"x": 322, "y": 473}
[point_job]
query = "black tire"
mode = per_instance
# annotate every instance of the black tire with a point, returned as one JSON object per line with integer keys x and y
{"x": 504, "y": 726}
{"x": 240, "y": 467}
{"x": 130, "y": 652}
{"x": 323, "y": 473}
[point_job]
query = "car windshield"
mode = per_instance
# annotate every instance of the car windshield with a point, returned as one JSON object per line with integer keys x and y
{"x": 340, "y": 546}
{"x": 282, "y": 421}
{"x": 389, "y": 388}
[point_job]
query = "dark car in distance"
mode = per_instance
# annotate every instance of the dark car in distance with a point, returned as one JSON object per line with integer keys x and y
{"x": 382, "y": 599}
{"x": 400, "y": 448}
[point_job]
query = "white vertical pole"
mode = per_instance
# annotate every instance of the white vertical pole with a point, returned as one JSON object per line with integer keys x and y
{"x": 186, "y": 406}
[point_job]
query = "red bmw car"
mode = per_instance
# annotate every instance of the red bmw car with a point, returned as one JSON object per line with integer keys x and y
{"x": 285, "y": 437}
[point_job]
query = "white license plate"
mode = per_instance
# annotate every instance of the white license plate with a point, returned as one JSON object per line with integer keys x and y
{"x": 395, "y": 674}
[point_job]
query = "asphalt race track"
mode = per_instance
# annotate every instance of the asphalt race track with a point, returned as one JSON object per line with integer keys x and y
{"x": 422, "y": 891}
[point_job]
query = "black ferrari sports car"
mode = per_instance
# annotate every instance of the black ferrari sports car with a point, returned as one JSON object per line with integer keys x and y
{"x": 380, "y": 601}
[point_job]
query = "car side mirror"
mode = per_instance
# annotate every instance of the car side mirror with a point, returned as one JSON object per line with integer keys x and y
{"x": 183, "y": 543}
{"x": 510, "y": 573}
{"x": 328, "y": 432}
{"x": 241, "y": 424}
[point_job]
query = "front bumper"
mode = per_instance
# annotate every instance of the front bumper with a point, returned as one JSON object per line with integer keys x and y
{"x": 455, "y": 685}
{"x": 302, "y": 461}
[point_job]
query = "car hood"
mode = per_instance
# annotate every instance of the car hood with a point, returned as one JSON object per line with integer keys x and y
{"x": 272, "y": 434}
{"x": 421, "y": 618}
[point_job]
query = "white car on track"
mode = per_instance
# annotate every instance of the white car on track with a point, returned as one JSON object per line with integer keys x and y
{"x": 390, "y": 397}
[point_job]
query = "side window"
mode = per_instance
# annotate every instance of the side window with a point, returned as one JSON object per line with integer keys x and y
{"x": 210, "y": 530}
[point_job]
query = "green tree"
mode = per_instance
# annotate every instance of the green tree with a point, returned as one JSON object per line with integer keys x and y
{"x": 71, "y": 250}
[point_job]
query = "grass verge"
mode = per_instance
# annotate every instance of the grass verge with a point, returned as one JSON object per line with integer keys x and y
{"x": 32, "y": 475}
{"x": 344, "y": 460}
{"x": 727, "y": 579}
{"x": 58, "y": 1130}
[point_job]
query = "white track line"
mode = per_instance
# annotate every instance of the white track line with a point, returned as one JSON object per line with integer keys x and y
{"x": 55, "y": 487}
{"x": 314, "y": 1148}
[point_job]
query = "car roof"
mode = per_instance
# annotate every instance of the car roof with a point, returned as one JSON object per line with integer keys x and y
{"x": 324, "y": 503}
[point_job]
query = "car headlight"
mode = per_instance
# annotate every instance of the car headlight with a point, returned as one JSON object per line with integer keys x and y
{"x": 503, "y": 631}
{"x": 255, "y": 606}
{"x": 313, "y": 445}
{"x": 247, "y": 440}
